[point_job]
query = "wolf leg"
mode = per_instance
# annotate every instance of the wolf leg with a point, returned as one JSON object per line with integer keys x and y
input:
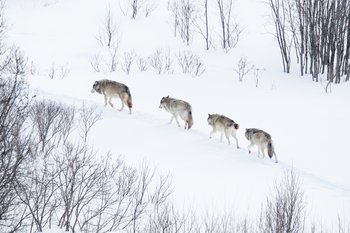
{"x": 171, "y": 119}
{"x": 227, "y": 135}
{"x": 221, "y": 136}
{"x": 249, "y": 146}
{"x": 263, "y": 152}
{"x": 105, "y": 100}
{"x": 234, "y": 136}
{"x": 211, "y": 133}
{"x": 120, "y": 109}
{"x": 259, "y": 149}
{"x": 110, "y": 102}
{"x": 177, "y": 121}
{"x": 126, "y": 101}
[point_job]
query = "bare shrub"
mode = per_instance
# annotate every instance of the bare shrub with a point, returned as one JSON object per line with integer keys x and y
{"x": 36, "y": 191}
{"x": 113, "y": 59}
{"x": 257, "y": 73}
{"x": 143, "y": 64}
{"x": 13, "y": 62}
{"x": 64, "y": 71}
{"x": 168, "y": 64}
{"x": 149, "y": 7}
{"x": 284, "y": 211}
{"x": 190, "y": 63}
{"x": 128, "y": 60}
{"x": 156, "y": 61}
{"x": 68, "y": 115}
{"x": 161, "y": 62}
{"x": 112, "y": 196}
{"x": 60, "y": 72}
{"x": 15, "y": 141}
{"x": 52, "y": 71}
{"x": 95, "y": 63}
{"x": 15, "y": 149}
{"x": 105, "y": 61}
{"x": 88, "y": 117}
{"x": 48, "y": 121}
{"x": 32, "y": 69}
{"x": 76, "y": 179}
{"x": 243, "y": 68}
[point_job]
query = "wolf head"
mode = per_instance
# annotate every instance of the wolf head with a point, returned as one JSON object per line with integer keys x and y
{"x": 210, "y": 119}
{"x": 163, "y": 102}
{"x": 96, "y": 87}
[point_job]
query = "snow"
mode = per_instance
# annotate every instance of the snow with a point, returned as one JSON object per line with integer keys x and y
{"x": 310, "y": 129}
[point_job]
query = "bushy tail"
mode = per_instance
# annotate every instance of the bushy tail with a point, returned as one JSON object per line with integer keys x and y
{"x": 129, "y": 98}
{"x": 189, "y": 120}
{"x": 236, "y": 126}
{"x": 270, "y": 149}
{"x": 129, "y": 101}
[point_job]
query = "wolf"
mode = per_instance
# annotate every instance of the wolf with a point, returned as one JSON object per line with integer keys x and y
{"x": 177, "y": 108}
{"x": 111, "y": 89}
{"x": 223, "y": 124}
{"x": 263, "y": 140}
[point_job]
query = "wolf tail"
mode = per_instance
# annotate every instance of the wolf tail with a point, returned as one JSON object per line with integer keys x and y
{"x": 236, "y": 126}
{"x": 129, "y": 98}
{"x": 189, "y": 120}
{"x": 129, "y": 102}
{"x": 271, "y": 150}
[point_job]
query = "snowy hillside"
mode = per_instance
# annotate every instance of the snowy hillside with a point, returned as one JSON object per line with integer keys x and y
{"x": 310, "y": 129}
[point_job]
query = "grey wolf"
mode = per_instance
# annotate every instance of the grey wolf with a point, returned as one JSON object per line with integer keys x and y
{"x": 177, "y": 108}
{"x": 263, "y": 140}
{"x": 224, "y": 125}
{"x": 111, "y": 89}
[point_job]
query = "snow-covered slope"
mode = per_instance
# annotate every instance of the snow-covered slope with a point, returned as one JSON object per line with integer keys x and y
{"x": 309, "y": 128}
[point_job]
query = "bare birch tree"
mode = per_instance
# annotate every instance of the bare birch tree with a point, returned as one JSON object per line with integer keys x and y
{"x": 15, "y": 141}
{"x": 230, "y": 30}
{"x": 109, "y": 31}
{"x": 284, "y": 41}
{"x": 184, "y": 15}
{"x": 319, "y": 31}
{"x": 202, "y": 25}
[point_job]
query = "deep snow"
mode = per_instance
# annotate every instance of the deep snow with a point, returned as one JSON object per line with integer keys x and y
{"x": 309, "y": 128}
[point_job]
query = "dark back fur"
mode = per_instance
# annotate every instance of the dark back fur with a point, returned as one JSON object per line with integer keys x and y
{"x": 252, "y": 131}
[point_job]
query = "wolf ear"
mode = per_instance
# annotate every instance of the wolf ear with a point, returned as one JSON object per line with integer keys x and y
{"x": 167, "y": 97}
